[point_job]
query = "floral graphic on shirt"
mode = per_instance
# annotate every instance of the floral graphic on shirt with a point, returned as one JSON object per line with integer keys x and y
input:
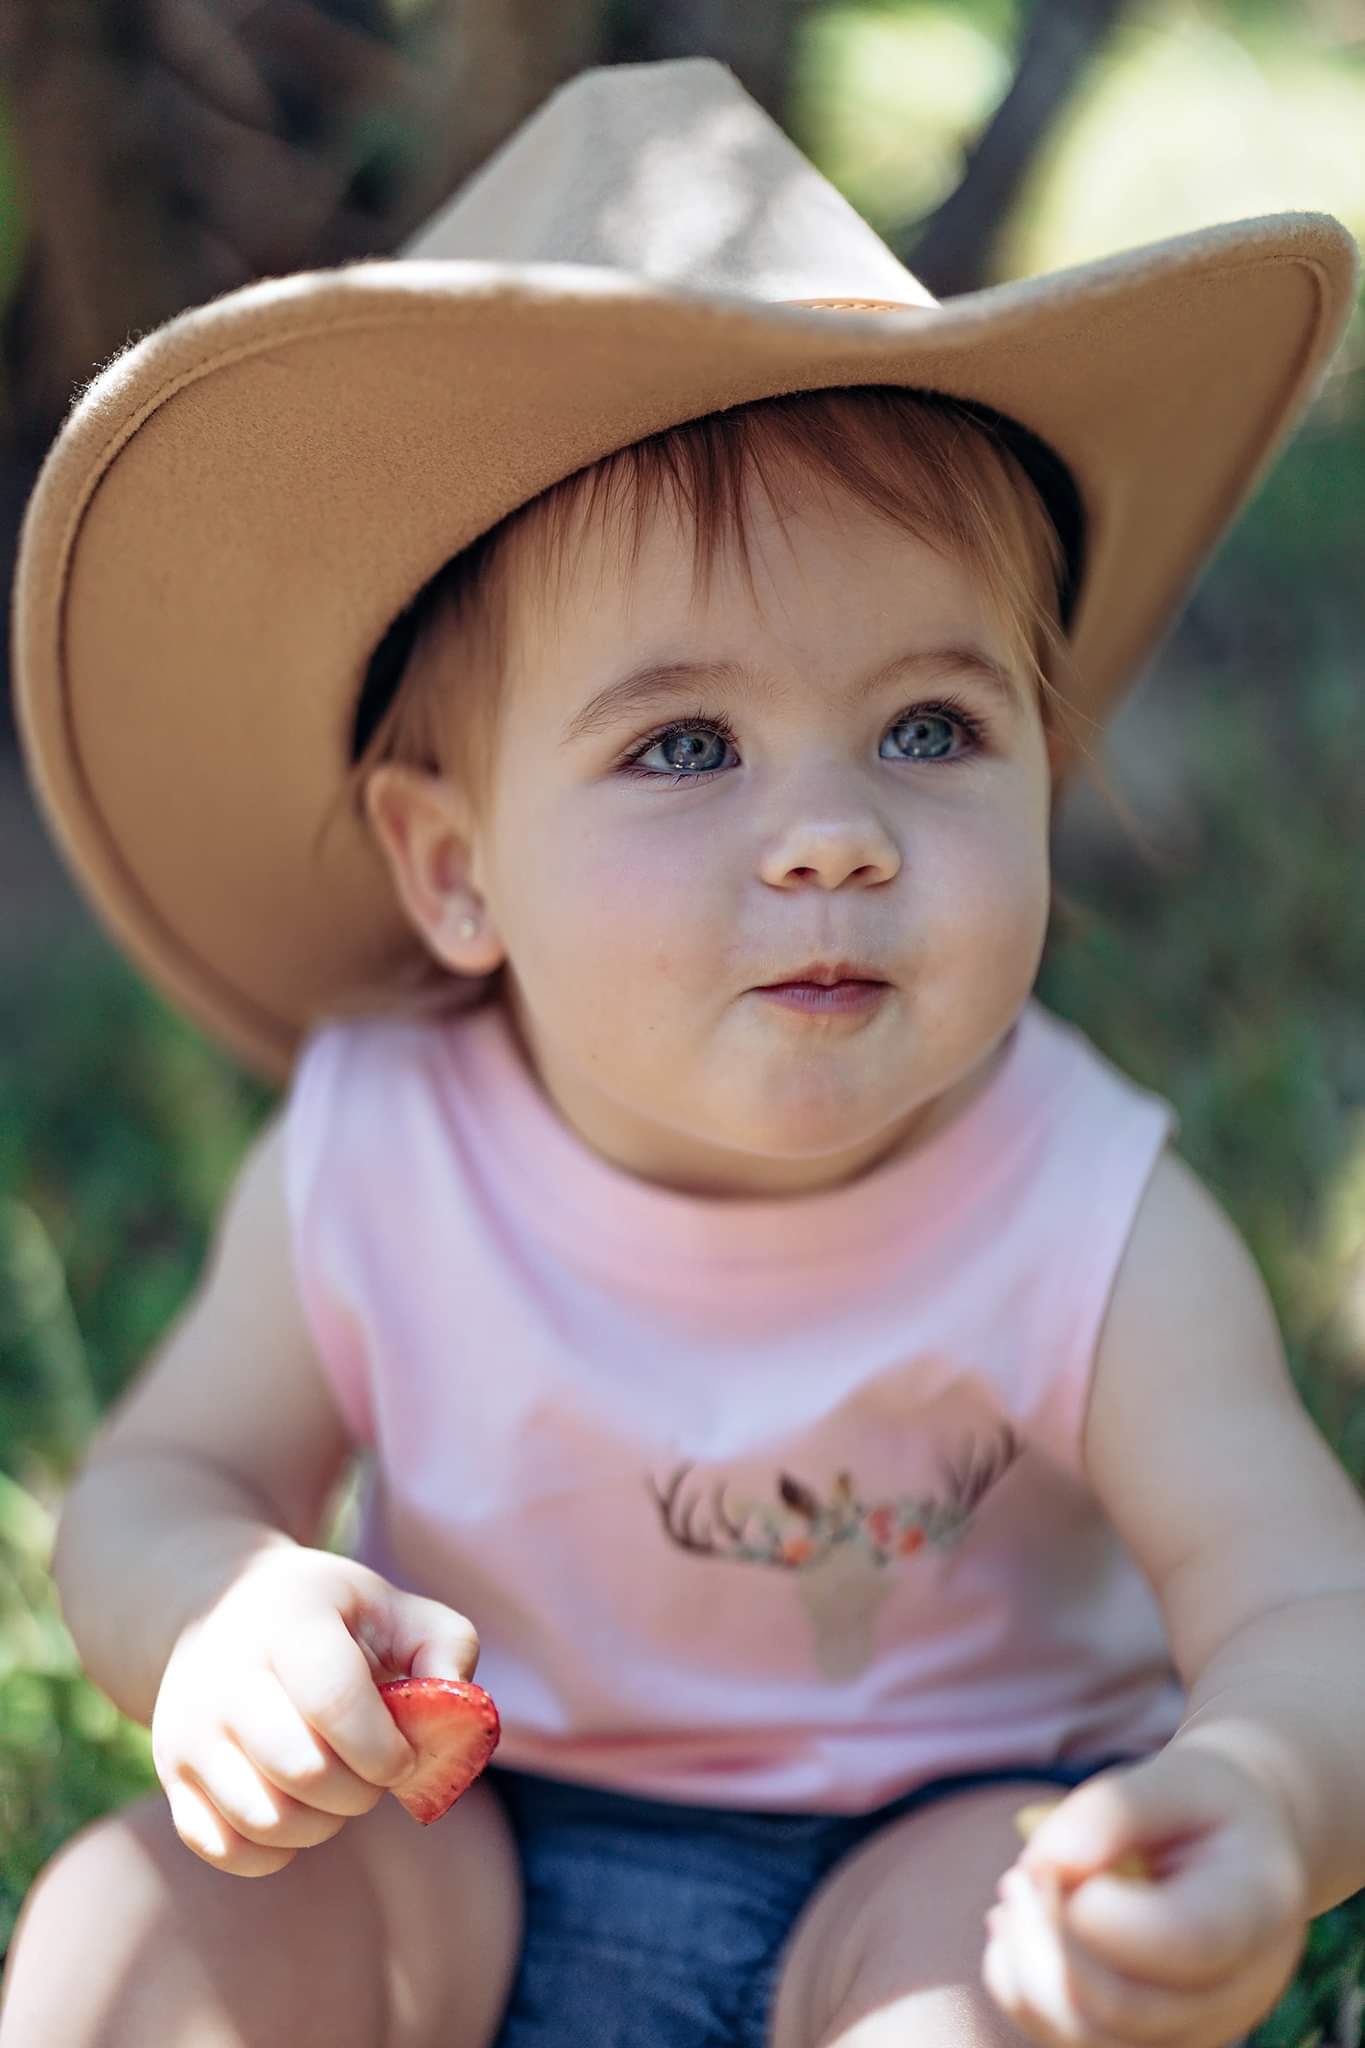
{"x": 839, "y": 1549}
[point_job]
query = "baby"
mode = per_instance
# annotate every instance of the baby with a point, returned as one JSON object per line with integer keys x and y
{"x": 796, "y": 1370}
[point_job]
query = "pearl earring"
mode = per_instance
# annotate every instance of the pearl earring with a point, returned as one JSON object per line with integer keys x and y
{"x": 467, "y": 927}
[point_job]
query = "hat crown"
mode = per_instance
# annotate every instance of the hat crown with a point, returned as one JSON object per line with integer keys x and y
{"x": 672, "y": 172}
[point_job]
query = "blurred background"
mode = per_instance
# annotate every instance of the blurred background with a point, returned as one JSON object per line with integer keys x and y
{"x": 1208, "y": 933}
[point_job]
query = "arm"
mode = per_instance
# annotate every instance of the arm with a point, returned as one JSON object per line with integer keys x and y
{"x": 1251, "y": 1533}
{"x": 1285, "y": 1698}
{"x": 225, "y": 1448}
{"x": 146, "y": 1541}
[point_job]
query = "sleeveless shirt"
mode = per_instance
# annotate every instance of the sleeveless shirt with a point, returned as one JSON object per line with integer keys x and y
{"x": 769, "y": 1503}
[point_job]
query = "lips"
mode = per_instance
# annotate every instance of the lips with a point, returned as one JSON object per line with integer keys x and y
{"x": 825, "y": 974}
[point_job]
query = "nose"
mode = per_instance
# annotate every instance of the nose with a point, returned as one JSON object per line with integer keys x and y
{"x": 847, "y": 844}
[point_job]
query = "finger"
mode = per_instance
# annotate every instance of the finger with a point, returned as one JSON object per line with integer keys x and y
{"x": 1000, "y": 1977}
{"x": 257, "y": 1811}
{"x": 1135, "y": 2009}
{"x": 408, "y": 1634}
{"x": 997, "y": 1974}
{"x": 325, "y": 1675}
{"x": 1143, "y": 2013}
{"x": 291, "y": 1756}
{"x": 1044, "y": 1987}
{"x": 1128, "y": 1811}
{"x": 1190, "y": 1931}
{"x": 202, "y": 1829}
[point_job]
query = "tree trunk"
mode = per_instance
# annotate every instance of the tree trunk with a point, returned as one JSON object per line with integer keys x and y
{"x": 174, "y": 149}
{"x": 754, "y": 38}
{"x": 951, "y": 252}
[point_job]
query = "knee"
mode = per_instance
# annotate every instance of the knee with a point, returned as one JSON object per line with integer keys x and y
{"x": 111, "y": 1858}
{"x": 128, "y": 1937}
{"x": 93, "y": 1880}
{"x": 888, "y": 1951}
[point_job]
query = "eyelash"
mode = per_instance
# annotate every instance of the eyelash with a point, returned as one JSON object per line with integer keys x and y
{"x": 949, "y": 707}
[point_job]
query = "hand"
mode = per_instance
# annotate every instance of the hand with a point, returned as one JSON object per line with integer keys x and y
{"x": 1080, "y": 1958}
{"x": 269, "y": 1731}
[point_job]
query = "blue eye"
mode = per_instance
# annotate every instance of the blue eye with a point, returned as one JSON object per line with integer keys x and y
{"x": 930, "y": 714}
{"x": 696, "y": 748}
{"x": 699, "y": 762}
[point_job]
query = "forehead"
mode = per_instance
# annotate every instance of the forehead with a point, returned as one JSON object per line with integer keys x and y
{"x": 822, "y": 568}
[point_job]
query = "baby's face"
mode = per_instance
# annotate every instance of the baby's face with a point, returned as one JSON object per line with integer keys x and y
{"x": 641, "y": 909}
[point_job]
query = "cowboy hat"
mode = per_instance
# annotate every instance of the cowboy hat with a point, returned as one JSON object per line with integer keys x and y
{"x": 240, "y": 503}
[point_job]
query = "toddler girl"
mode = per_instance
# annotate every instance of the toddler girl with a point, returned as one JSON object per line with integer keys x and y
{"x": 795, "y": 1368}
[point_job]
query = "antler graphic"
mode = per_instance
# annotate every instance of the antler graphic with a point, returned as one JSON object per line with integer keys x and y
{"x": 839, "y": 1549}
{"x": 969, "y": 1479}
{"x": 798, "y": 1497}
{"x": 704, "y": 1546}
{"x": 894, "y": 1528}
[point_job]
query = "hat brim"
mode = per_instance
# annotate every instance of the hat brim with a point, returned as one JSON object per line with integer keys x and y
{"x": 241, "y": 502}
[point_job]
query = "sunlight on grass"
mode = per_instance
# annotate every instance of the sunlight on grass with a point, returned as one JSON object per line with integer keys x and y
{"x": 1334, "y": 1261}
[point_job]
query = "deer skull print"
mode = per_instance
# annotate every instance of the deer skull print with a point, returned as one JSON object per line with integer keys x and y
{"x": 841, "y": 1550}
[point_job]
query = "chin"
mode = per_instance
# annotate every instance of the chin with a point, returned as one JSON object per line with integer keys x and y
{"x": 810, "y": 1131}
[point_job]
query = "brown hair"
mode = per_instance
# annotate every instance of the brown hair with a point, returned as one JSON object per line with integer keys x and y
{"x": 958, "y": 476}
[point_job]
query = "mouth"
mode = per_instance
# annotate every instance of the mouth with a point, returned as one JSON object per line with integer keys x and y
{"x": 828, "y": 974}
{"x": 828, "y": 988}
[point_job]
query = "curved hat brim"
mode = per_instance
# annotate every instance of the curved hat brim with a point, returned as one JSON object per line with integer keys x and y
{"x": 241, "y": 502}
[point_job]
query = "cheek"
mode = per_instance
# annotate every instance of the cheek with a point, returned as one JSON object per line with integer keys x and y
{"x": 590, "y": 903}
{"x": 988, "y": 894}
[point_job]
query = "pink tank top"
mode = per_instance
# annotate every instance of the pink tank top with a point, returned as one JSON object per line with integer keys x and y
{"x": 766, "y": 1503}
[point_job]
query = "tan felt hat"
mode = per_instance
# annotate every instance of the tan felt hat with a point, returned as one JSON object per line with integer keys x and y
{"x": 240, "y": 504}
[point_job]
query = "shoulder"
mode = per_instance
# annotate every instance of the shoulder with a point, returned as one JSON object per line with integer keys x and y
{"x": 1186, "y": 1268}
{"x": 1106, "y": 1142}
{"x": 1188, "y": 1308}
{"x": 357, "y": 1084}
{"x": 1179, "y": 1223}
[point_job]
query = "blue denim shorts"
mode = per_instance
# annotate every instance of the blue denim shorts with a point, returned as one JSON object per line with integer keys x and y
{"x": 653, "y": 1924}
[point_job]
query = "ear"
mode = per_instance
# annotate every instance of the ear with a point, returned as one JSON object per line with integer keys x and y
{"x": 422, "y": 825}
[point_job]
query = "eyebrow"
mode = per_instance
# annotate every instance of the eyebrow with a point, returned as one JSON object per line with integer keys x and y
{"x": 633, "y": 693}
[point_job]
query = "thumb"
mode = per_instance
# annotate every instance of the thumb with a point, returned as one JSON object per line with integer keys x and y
{"x": 406, "y": 1635}
{"x": 1116, "y": 1821}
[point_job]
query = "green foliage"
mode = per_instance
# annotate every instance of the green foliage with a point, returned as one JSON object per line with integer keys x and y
{"x": 120, "y": 1128}
{"x": 66, "y": 1753}
{"x": 1324, "y": 2005}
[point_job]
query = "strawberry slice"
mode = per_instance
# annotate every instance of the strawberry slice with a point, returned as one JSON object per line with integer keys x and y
{"x": 453, "y": 1726}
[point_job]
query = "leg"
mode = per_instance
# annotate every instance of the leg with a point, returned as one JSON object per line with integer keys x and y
{"x": 389, "y": 1935}
{"x": 887, "y": 1951}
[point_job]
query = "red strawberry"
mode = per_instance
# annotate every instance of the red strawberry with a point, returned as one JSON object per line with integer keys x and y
{"x": 453, "y": 1726}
